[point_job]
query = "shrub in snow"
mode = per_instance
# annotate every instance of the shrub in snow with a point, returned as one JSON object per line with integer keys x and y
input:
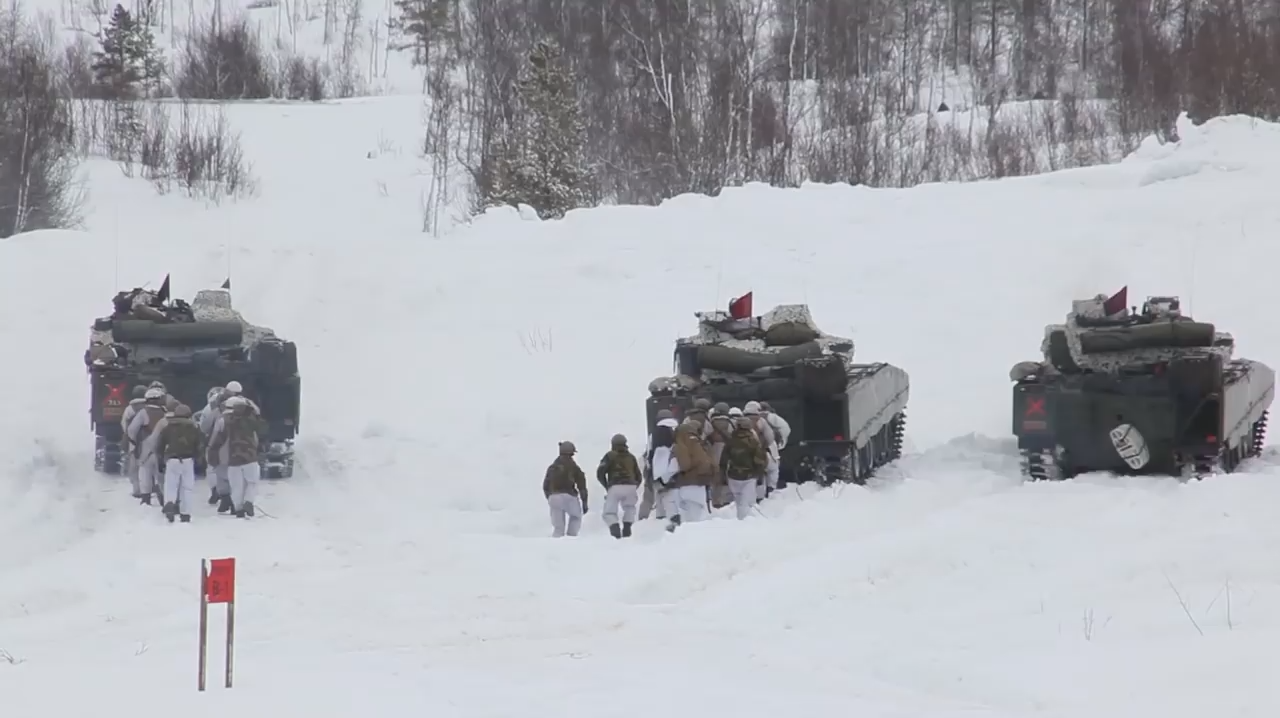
{"x": 199, "y": 154}
{"x": 223, "y": 62}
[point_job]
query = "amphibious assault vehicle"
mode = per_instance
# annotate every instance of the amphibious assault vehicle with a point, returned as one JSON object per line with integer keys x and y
{"x": 847, "y": 419}
{"x": 190, "y": 348}
{"x": 1128, "y": 392}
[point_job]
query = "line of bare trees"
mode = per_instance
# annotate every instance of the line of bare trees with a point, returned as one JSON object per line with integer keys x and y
{"x": 693, "y": 95}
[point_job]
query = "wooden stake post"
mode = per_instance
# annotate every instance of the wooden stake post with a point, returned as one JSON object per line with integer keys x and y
{"x": 217, "y": 585}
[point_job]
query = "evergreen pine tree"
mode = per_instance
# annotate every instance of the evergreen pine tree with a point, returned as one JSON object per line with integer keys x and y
{"x": 149, "y": 56}
{"x": 425, "y": 22}
{"x": 539, "y": 158}
{"x": 118, "y": 67}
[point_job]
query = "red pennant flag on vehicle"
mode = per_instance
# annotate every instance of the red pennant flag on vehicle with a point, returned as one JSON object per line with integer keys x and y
{"x": 163, "y": 294}
{"x": 1117, "y": 303}
{"x": 740, "y": 308}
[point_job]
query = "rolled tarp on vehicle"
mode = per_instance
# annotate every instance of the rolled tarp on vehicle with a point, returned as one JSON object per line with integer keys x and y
{"x": 741, "y": 361}
{"x": 1173, "y": 335}
{"x": 142, "y": 331}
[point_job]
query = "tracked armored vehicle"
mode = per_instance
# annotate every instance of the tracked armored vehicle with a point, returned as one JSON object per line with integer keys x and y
{"x": 1128, "y": 392}
{"x": 847, "y": 420}
{"x": 190, "y": 348}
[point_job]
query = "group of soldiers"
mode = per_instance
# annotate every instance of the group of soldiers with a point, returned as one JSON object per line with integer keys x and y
{"x": 163, "y": 438}
{"x": 715, "y": 456}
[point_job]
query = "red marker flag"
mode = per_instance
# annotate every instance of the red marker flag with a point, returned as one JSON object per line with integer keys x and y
{"x": 1117, "y": 303}
{"x": 740, "y": 308}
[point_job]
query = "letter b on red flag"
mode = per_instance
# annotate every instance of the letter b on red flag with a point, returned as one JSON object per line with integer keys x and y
{"x": 220, "y": 585}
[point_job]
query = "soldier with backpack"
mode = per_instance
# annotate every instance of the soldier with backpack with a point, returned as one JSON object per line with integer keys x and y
{"x": 177, "y": 444}
{"x": 745, "y": 463}
{"x": 721, "y": 429}
{"x": 236, "y": 438}
{"x": 565, "y": 488}
{"x": 661, "y": 437}
{"x": 142, "y": 435}
{"x": 130, "y": 456}
{"x": 219, "y": 487}
{"x": 619, "y": 474}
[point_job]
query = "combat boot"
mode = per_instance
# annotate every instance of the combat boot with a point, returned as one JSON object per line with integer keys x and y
{"x": 170, "y": 511}
{"x": 224, "y": 504}
{"x": 615, "y": 530}
{"x": 185, "y": 518}
{"x": 248, "y": 509}
{"x": 213, "y": 494}
{"x": 626, "y": 529}
{"x": 144, "y": 499}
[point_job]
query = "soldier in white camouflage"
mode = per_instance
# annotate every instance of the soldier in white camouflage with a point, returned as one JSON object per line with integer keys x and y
{"x": 142, "y": 436}
{"x": 127, "y": 448}
{"x": 240, "y": 430}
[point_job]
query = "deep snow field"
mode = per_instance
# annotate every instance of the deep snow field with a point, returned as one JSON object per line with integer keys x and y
{"x": 407, "y": 568}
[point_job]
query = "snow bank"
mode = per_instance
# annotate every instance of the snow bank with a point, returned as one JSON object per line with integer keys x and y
{"x": 408, "y": 556}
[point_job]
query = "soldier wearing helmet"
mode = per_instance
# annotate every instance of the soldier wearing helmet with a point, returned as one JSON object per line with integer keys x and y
{"x": 769, "y": 440}
{"x": 206, "y": 418}
{"x": 177, "y": 444}
{"x": 661, "y": 436}
{"x": 565, "y": 488}
{"x": 234, "y": 388}
{"x": 619, "y": 473}
{"x": 720, "y": 429}
{"x": 130, "y": 456}
{"x": 142, "y": 434}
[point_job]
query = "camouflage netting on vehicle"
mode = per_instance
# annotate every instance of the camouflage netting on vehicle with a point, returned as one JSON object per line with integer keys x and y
{"x": 154, "y": 329}
{"x": 1100, "y": 343}
{"x": 729, "y": 349}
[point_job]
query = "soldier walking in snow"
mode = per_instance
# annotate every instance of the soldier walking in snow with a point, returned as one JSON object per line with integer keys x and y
{"x": 565, "y": 488}
{"x": 177, "y": 444}
{"x": 721, "y": 429}
{"x": 765, "y": 432}
{"x": 781, "y": 433}
{"x": 619, "y": 474}
{"x": 141, "y": 434}
{"x": 130, "y": 456}
{"x": 690, "y": 473}
{"x": 663, "y": 435}
{"x": 745, "y": 464}
{"x": 236, "y": 438}
{"x": 219, "y": 487}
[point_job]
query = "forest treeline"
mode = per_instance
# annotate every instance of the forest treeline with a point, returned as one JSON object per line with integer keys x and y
{"x": 678, "y": 96}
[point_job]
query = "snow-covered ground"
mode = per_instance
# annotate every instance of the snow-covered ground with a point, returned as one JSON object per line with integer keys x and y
{"x": 407, "y": 569}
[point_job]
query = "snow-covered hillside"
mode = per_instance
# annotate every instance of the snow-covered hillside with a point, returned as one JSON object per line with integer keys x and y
{"x": 407, "y": 569}
{"x": 309, "y": 29}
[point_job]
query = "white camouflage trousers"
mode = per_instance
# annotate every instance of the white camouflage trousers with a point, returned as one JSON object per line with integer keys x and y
{"x": 744, "y": 495}
{"x": 771, "y": 472}
{"x": 687, "y": 502}
{"x": 624, "y": 496}
{"x": 218, "y": 476}
{"x": 148, "y": 475}
{"x": 180, "y": 483}
{"x": 566, "y": 514}
{"x": 650, "y": 503}
{"x": 131, "y": 470}
{"x": 243, "y": 482}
